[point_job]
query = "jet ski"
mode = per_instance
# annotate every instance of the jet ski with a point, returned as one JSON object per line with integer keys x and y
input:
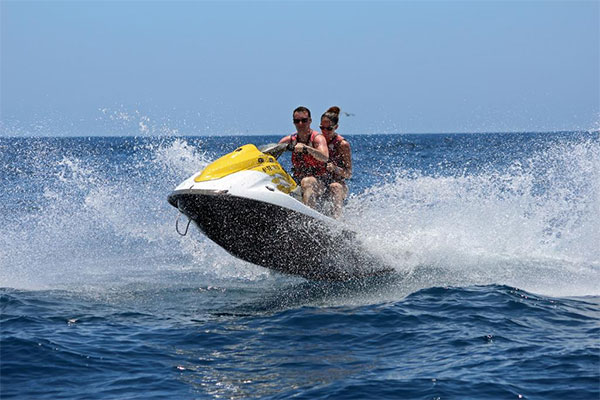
{"x": 249, "y": 205}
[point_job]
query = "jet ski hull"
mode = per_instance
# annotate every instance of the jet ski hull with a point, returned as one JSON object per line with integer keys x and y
{"x": 276, "y": 237}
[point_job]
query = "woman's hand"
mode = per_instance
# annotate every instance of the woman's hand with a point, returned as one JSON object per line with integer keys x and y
{"x": 331, "y": 167}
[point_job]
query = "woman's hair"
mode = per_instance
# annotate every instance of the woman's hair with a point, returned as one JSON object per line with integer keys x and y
{"x": 332, "y": 114}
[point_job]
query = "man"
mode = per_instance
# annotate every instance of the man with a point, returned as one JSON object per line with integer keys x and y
{"x": 309, "y": 157}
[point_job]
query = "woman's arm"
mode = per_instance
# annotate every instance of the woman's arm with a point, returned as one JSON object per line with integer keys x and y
{"x": 346, "y": 170}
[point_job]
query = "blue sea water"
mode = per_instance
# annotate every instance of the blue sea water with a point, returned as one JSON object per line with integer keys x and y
{"x": 495, "y": 239}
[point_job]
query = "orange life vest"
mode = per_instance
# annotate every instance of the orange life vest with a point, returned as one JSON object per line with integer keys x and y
{"x": 304, "y": 164}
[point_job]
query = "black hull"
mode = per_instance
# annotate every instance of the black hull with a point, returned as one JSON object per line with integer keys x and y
{"x": 278, "y": 238}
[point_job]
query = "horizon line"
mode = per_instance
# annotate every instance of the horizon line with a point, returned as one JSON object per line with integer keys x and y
{"x": 27, "y": 136}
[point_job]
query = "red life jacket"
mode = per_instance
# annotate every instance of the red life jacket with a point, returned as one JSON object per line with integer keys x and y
{"x": 304, "y": 164}
{"x": 335, "y": 156}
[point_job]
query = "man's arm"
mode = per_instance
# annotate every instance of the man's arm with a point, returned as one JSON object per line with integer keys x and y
{"x": 319, "y": 152}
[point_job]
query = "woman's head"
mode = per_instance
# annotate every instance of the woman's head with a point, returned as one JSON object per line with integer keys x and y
{"x": 329, "y": 120}
{"x": 332, "y": 114}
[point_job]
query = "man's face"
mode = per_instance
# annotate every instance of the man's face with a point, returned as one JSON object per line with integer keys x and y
{"x": 302, "y": 121}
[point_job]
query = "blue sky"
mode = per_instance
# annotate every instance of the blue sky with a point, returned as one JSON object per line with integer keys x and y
{"x": 220, "y": 68}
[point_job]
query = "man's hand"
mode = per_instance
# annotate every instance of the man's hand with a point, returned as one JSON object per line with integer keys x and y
{"x": 301, "y": 148}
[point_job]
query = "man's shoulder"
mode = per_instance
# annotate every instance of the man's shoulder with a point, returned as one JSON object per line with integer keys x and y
{"x": 318, "y": 136}
{"x": 287, "y": 138}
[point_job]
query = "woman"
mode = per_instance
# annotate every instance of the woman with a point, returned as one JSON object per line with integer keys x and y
{"x": 339, "y": 166}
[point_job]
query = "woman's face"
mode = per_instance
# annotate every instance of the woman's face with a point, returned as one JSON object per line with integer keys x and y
{"x": 327, "y": 128}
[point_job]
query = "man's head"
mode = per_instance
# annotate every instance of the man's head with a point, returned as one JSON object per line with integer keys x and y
{"x": 301, "y": 119}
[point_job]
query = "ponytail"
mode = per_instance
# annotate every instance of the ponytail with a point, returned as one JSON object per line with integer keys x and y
{"x": 332, "y": 114}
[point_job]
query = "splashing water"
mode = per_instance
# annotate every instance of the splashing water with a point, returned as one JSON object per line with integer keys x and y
{"x": 535, "y": 225}
{"x": 98, "y": 221}
{"x": 94, "y": 212}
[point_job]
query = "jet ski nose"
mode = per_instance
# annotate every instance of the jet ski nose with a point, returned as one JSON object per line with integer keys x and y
{"x": 184, "y": 204}
{"x": 172, "y": 199}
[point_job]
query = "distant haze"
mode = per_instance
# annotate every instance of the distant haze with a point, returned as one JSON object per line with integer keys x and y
{"x": 240, "y": 68}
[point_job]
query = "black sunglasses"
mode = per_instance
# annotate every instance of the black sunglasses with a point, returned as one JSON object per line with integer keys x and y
{"x": 327, "y": 128}
{"x": 298, "y": 120}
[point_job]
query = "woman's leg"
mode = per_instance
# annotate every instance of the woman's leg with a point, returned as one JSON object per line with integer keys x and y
{"x": 338, "y": 192}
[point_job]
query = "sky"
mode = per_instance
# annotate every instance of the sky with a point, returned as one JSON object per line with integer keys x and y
{"x": 240, "y": 68}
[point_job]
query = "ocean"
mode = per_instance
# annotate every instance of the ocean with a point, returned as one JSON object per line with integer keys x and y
{"x": 495, "y": 239}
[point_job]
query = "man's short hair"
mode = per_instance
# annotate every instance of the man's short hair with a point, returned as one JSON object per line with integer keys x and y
{"x": 302, "y": 109}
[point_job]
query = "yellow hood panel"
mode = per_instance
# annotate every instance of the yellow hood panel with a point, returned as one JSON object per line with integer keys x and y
{"x": 248, "y": 158}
